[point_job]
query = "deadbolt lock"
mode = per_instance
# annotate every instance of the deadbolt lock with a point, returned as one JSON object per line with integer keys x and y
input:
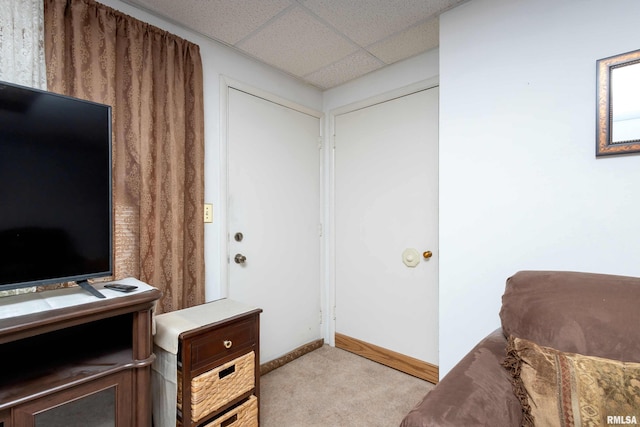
{"x": 238, "y": 237}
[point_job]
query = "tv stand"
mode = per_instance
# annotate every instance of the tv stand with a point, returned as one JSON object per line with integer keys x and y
{"x": 92, "y": 356}
{"x": 84, "y": 284}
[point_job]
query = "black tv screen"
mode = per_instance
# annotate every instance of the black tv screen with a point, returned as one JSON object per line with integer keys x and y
{"x": 55, "y": 188}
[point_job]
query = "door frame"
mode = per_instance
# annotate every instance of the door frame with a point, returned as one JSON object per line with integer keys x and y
{"x": 329, "y": 291}
{"x": 227, "y": 83}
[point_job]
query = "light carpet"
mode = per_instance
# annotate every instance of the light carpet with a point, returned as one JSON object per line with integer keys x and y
{"x": 330, "y": 387}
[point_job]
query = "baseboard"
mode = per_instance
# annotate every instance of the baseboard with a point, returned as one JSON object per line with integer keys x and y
{"x": 401, "y": 362}
{"x": 291, "y": 356}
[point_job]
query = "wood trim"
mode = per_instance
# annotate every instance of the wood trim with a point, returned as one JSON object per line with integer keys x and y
{"x": 401, "y": 362}
{"x": 291, "y": 356}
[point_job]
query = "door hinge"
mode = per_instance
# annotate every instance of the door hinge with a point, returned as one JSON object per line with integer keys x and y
{"x": 319, "y": 143}
{"x": 320, "y": 229}
{"x": 320, "y": 319}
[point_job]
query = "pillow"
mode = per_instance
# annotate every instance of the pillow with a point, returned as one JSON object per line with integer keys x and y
{"x": 568, "y": 389}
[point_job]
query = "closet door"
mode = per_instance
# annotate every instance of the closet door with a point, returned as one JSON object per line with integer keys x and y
{"x": 386, "y": 205}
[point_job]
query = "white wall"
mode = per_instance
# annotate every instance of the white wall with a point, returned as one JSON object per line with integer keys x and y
{"x": 219, "y": 60}
{"x": 520, "y": 187}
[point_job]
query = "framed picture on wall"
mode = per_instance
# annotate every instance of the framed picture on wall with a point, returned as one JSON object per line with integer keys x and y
{"x": 618, "y": 104}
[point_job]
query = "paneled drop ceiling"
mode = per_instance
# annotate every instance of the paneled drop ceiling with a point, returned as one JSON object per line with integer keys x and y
{"x": 323, "y": 42}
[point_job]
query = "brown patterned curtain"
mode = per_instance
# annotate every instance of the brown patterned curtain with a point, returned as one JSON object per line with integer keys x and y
{"x": 153, "y": 81}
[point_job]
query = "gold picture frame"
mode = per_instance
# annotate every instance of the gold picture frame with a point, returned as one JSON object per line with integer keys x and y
{"x": 618, "y": 104}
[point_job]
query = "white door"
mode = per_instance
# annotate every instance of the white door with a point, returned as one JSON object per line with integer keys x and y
{"x": 274, "y": 201}
{"x": 386, "y": 201}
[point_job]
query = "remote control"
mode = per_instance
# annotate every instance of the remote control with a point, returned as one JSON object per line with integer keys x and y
{"x": 121, "y": 288}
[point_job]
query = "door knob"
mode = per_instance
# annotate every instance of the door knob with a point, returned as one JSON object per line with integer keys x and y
{"x": 427, "y": 254}
{"x": 239, "y": 259}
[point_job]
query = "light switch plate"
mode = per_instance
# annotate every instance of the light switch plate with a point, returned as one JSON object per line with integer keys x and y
{"x": 208, "y": 212}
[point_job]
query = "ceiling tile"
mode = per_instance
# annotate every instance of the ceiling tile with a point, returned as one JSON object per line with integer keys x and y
{"x": 223, "y": 20}
{"x": 369, "y": 21}
{"x": 298, "y": 43}
{"x": 346, "y": 69}
{"x": 408, "y": 43}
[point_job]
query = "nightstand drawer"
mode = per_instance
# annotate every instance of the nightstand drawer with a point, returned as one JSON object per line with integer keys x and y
{"x": 217, "y": 387}
{"x": 218, "y": 343}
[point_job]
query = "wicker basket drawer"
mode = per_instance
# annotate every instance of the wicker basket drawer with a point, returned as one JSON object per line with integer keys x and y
{"x": 215, "y": 388}
{"x": 245, "y": 415}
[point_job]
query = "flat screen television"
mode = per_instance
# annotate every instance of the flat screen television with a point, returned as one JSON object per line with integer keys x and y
{"x": 55, "y": 189}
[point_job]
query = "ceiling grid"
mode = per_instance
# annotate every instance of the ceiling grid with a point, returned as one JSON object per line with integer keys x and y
{"x": 324, "y": 43}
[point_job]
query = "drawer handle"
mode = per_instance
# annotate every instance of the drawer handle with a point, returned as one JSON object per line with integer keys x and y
{"x": 227, "y": 343}
{"x": 226, "y": 372}
{"x": 229, "y": 421}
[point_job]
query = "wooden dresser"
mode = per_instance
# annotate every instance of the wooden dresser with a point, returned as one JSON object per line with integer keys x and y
{"x": 218, "y": 362}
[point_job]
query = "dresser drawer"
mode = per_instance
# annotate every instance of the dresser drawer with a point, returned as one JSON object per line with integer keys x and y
{"x": 217, "y": 387}
{"x": 218, "y": 343}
